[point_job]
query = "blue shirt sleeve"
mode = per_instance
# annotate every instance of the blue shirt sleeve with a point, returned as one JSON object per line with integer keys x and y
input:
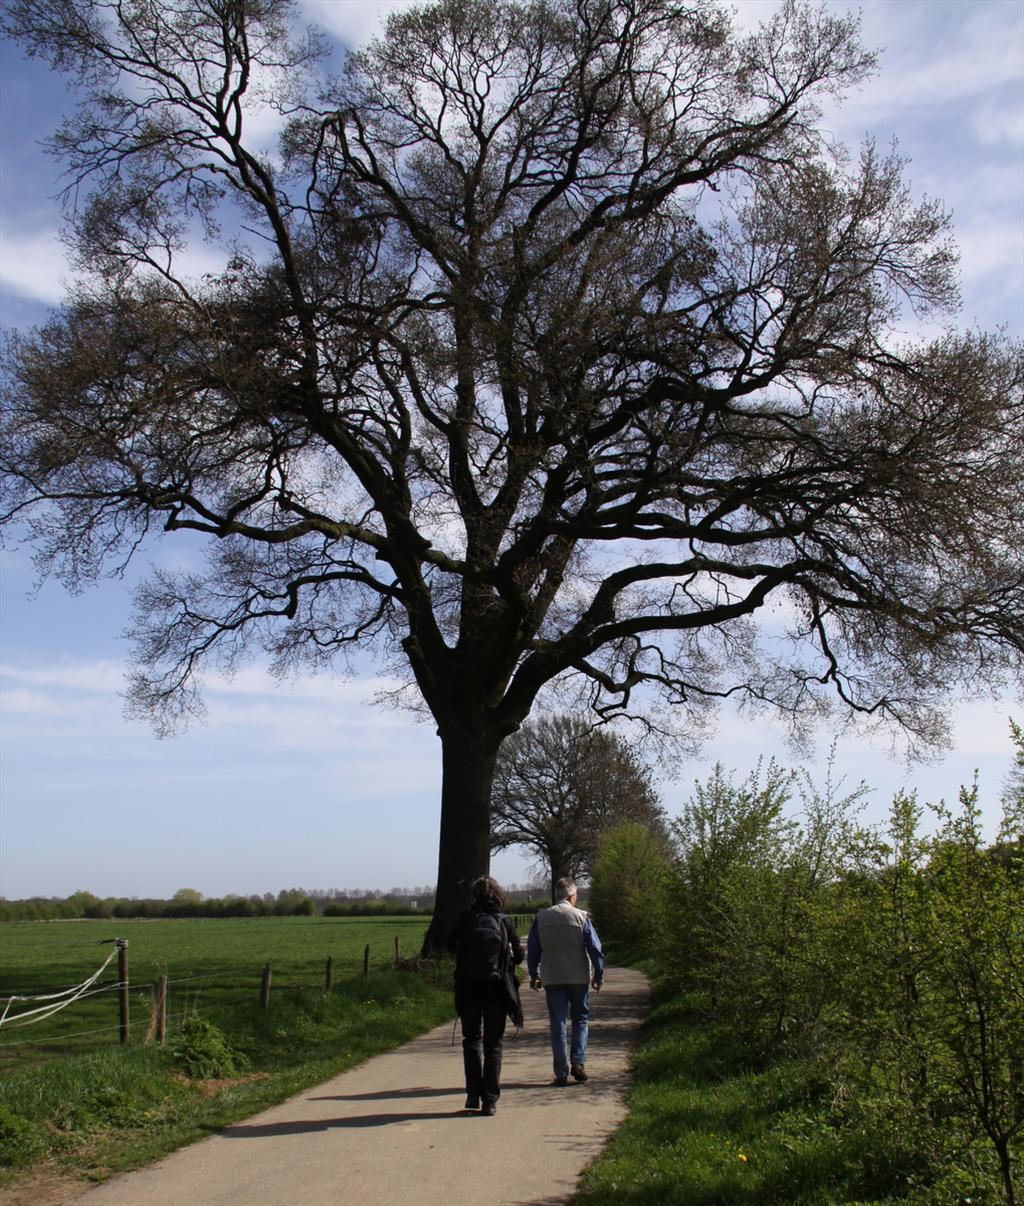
{"x": 593, "y": 945}
{"x": 533, "y": 951}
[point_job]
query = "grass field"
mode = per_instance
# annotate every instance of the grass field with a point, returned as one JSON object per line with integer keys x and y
{"x": 211, "y": 965}
{"x": 75, "y": 1104}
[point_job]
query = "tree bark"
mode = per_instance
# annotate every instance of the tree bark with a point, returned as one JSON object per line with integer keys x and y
{"x": 559, "y": 870}
{"x": 1002, "y": 1146}
{"x": 467, "y": 774}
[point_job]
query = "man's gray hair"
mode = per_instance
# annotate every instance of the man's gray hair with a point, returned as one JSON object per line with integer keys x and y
{"x": 564, "y": 888}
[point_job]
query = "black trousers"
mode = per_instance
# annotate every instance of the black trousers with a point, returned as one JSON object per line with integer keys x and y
{"x": 482, "y": 1009}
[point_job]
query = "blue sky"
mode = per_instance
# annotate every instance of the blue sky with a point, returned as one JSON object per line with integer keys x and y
{"x": 308, "y": 783}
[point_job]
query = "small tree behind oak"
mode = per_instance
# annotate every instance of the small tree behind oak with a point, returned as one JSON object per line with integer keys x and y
{"x": 559, "y": 784}
{"x": 552, "y": 342}
{"x": 631, "y": 868}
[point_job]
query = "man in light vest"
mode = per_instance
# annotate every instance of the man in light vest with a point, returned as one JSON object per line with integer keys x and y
{"x": 564, "y": 956}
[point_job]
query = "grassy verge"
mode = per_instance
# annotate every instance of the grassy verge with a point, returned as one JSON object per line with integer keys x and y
{"x": 95, "y": 1113}
{"x": 705, "y": 1128}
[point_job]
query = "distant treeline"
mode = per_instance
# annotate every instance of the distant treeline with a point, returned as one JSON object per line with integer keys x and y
{"x": 290, "y": 902}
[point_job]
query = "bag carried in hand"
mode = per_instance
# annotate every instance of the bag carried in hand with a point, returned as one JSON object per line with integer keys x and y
{"x": 482, "y": 947}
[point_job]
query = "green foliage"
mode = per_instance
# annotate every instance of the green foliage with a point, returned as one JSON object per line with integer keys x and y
{"x": 1013, "y": 790}
{"x": 202, "y": 1050}
{"x": 748, "y": 909}
{"x": 628, "y": 870}
{"x": 924, "y": 1027}
{"x": 21, "y": 1141}
{"x": 186, "y": 902}
{"x": 956, "y": 1033}
{"x": 726, "y": 834}
{"x": 842, "y": 1007}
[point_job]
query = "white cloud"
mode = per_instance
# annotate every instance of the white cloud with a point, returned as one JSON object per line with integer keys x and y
{"x": 101, "y": 676}
{"x": 354, "y": 22}
{"x": 931, "y": 55}
{"x": 993, "y": 186}
{"x": 980, "y": 728}
{"x": 20, "y": 702}
{"x": 1000, "y": 124}
{"x": 83, "y": 701}
{"x": 35, "y": 264}
{"x": 988, "y": 246}
{"x": 254, "y": 680}
{"x": 954, "y": 77}
{"x": 64, "y": 735}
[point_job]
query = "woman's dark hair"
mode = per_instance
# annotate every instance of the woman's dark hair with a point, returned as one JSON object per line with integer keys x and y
{"x": 487, "y": 891}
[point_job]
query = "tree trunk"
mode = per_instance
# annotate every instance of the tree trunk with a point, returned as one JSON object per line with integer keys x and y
{"x": 1002, "y": 1146}
{"x": 560, "y": 863}
{"x": 467, "y": 774}
{"x": 558, "y": 872}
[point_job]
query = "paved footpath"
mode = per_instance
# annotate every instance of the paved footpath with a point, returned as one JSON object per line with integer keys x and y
{"x": 393, "y": 1132}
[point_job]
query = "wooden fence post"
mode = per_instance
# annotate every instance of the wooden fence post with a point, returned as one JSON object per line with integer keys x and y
{"x": 161, "y": 1010}
{"x": 265, "y": 987}
{"x": 122, "y": 978}
{"x": 328, "y": 974}
{"x": 398, "y": 952}
{"x": 366, "y": 960}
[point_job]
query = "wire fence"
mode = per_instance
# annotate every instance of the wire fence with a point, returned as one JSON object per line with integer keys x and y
{"x": 63, "y": 1038}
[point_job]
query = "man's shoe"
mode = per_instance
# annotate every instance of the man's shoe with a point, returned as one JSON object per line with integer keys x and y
{"x": 472, "y": 1103}
{"x": 561, "y": 1081}
{"x": 579, "y": 1072}
{"x": 488, "y": 1109}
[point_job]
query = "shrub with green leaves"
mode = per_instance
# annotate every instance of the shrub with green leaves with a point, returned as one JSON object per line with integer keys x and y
{"x": 725, "y": 834}
{"x": 892, "y": 961}
{"x": 747, "y": 902}
{"x": 626, "y": 882}
{"x": 937, "y": 1055}
{"x": 202, "y": 1050}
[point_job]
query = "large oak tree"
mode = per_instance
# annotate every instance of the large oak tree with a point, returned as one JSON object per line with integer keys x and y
{"x": 555, "y": 343}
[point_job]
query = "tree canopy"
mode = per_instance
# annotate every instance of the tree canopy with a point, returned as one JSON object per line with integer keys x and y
{"x": 553, "y": 342}
{"x": 559, "y": 784}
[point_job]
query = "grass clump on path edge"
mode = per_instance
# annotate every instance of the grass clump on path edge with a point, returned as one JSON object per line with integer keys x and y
{"x": 94, "y": 1114}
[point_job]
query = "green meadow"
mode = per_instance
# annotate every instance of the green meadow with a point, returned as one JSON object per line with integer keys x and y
{"x": 212, "y": 966}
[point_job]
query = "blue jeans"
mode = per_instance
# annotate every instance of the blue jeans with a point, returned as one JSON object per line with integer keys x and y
{"x": 565, "y": 1001}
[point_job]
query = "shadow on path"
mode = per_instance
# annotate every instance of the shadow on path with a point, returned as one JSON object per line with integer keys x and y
{"x": 309, "y": 1126}
{"x": 392, "y": 1094}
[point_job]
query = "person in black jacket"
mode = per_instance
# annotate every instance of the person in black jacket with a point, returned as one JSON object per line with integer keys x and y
{"x": 486, "y": 947}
